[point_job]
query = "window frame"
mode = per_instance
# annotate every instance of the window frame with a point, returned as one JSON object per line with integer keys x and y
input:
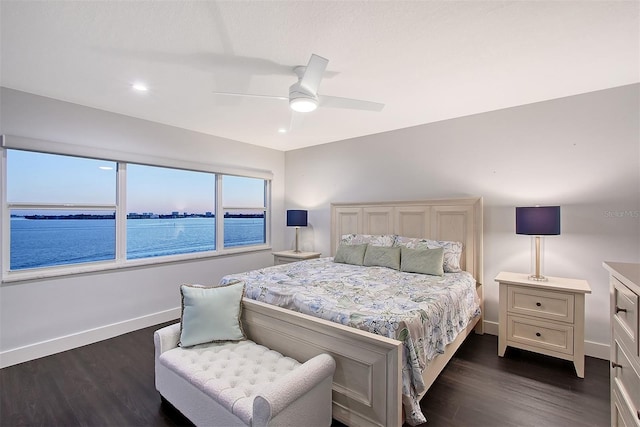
{"x": 9, "y": 142}
{"x": 224, "y": 210}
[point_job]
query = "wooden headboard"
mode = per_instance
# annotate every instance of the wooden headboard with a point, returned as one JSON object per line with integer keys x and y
{"x": 457, "y": 220}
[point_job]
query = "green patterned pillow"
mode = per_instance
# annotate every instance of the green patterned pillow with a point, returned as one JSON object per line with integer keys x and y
{"x": 350, "y": 254}
{"x": 452, "y": 250}
{"x": 382, "y": 257}
{"x": 423, "y": 261}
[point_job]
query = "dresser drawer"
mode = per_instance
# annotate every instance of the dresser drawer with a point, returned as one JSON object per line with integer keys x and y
{"x": 538, "y": 333}
{"x": 545, "y": 304}
{"x": 621, "y": 415}
{"x": 625, "y": 314}
{"x": 625, "y": 378}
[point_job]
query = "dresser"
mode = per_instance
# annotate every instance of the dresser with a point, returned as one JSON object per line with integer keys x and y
{"x": 624, "y": 289}
{"x": 285, "y": 257}
{"x": 544, "y": 317}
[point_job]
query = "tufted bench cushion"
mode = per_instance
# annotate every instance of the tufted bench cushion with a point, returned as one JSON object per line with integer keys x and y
{"x": 242, "y": 383}
{"x": 230, "y": 373}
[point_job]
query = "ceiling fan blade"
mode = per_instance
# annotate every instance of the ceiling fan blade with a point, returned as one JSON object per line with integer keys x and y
{"x": 313, "y": 73}
{"x": 354, "y": 104}
{"x": 252, "y": 95}
{"x": 296, "y": 121}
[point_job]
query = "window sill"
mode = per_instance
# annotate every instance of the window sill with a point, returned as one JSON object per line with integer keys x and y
{"x": 103, "y": 266}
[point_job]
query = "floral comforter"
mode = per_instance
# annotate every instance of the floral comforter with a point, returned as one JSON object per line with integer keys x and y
{"x": 424, "y": 312}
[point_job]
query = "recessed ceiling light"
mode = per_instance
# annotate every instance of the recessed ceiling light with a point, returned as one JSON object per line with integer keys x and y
{"x": 140, "y": 87}
{"x": 282, "y": 130}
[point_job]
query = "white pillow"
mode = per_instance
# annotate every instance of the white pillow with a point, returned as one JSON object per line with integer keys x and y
{"x": 386, "y": 240}
{"x": 211, "y": 314}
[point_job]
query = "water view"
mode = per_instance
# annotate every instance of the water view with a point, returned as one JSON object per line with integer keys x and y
{"x": 49, "y": 242}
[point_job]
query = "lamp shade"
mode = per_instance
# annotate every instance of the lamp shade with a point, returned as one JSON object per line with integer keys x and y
{"x": 296, "y": 218}
{"x": 538, "y": 220}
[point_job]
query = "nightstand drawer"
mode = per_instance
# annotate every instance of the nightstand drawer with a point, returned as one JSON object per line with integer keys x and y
{"x": 279, "y": 260}
{"x": 625, "y": 314}
{"x": 541, "y": 334}
{"x": 285, "y": 257}
{"x": 546, "y": 304}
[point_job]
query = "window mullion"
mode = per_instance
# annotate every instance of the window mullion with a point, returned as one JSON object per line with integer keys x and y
{"x": 267, "y": 211}
{"x": 60, "y": 206}
{"x": 6, "y": 218}
{"x": 121, "y": 213}
{"x": 219, "y": 214}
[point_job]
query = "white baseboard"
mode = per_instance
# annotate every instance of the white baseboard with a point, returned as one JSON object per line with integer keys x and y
{"x": 64, "y": 343}
{"x": 597, "y": 350}
{"x": 593, "y": 349}
{"x": 491, "y": 328}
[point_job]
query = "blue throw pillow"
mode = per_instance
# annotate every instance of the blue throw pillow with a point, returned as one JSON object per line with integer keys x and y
{"x": 211, "y": 314}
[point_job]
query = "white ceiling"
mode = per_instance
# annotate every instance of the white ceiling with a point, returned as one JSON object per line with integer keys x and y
{"x": 426, "y": 60}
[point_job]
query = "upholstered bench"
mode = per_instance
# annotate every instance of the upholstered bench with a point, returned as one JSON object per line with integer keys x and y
{"x": 241, "y": 383}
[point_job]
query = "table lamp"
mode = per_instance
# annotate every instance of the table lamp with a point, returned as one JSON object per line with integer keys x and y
{"x": 538, "y": 221}
{"x": 297, "y": 219}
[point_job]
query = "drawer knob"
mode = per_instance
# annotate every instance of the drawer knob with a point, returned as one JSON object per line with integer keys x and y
{"x": 538, "y": 334}
{"x": 615, "y": 365}
{"x": 538, "y": 304}
{"x": 618, "y": 309}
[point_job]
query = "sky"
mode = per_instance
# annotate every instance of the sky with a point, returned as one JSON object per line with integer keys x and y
{"x": 48, "y": 178}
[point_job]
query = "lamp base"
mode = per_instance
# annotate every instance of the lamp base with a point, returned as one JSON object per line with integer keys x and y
{"x": 537, "y": 272}
{"x": 297, "y": 251}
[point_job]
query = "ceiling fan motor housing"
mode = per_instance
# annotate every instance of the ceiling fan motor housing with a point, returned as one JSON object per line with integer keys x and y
{"x": 301, "y": 100}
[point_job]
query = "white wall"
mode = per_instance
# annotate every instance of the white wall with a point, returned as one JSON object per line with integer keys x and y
{"x": 580, "y": 152}
{"x": 43, "y": 316}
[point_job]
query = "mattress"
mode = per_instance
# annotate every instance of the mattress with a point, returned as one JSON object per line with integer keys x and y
{"x": 424, "y": 312}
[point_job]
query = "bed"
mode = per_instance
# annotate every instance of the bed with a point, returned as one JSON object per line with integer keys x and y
{"x": 385, "y": 361}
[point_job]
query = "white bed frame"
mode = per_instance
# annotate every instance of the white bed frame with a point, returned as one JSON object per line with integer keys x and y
{"x": 367, "y": 382}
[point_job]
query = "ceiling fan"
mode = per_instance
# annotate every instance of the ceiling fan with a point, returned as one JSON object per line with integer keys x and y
{"x": 303, "y": 95}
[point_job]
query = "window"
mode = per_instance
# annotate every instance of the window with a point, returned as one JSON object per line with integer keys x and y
{"x": 169, "y": 211}
{"x": 67, "y": 211}
{"x": 41, "y": 189}
{"x": 59, "y": 237}
{"x": 244, "y": 201}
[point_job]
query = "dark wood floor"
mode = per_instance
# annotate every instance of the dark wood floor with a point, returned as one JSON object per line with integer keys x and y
{"x": 111, "y": 383}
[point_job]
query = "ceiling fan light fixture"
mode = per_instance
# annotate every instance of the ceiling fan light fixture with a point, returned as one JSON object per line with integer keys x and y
{"x": 303, "y": 105}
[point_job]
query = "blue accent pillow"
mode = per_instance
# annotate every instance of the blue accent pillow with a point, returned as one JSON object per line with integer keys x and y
{"x": 211, "y": 314}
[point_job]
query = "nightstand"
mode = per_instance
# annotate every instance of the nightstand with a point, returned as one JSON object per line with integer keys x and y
{"x": 285, "y": 257}
{"x": 543, "y": 317}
